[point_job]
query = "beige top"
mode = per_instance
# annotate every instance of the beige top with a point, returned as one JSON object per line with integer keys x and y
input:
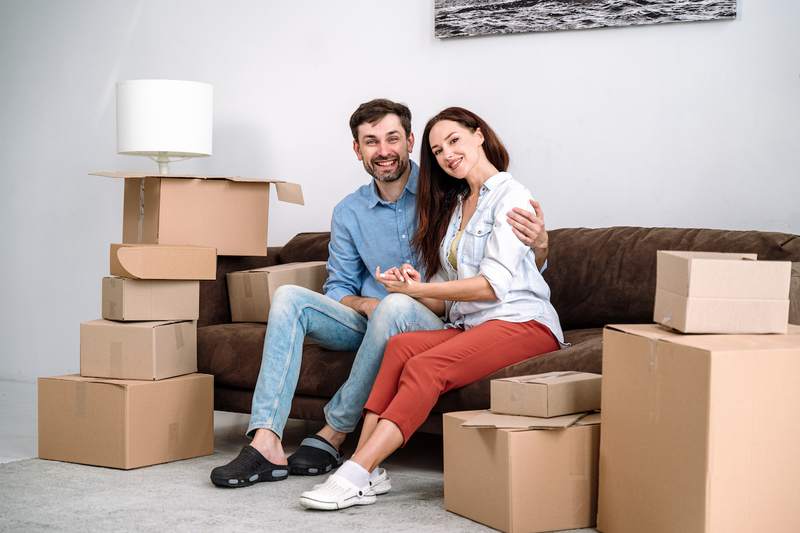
{"x": 452, "y": 255}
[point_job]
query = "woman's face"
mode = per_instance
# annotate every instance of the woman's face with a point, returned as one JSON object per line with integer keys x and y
{"x": 456, "y": 148}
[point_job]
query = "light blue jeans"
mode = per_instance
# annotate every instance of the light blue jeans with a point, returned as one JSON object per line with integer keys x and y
{"x": 296, "y": 312}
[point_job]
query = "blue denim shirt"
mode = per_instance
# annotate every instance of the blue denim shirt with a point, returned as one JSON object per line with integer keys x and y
{"x": 367, "y": 232}
{"x": 489, "y": 248}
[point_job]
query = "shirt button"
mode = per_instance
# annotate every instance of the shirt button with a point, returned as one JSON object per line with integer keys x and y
{"x": 404, "y": 236}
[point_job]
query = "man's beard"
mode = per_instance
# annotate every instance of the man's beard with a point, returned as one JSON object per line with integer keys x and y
{"x": 374, "y": 171}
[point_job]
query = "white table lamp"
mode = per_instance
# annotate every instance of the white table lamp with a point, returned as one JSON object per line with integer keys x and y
{"x": 165, "y": 120}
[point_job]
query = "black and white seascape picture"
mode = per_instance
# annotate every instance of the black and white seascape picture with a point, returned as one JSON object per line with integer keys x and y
{"x": 462, "y": 18}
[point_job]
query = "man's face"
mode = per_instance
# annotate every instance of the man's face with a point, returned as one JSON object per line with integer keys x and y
{"x": 383, "y": 148}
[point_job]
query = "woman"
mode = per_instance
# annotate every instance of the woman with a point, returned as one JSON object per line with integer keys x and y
{"x": 486, "y": 283}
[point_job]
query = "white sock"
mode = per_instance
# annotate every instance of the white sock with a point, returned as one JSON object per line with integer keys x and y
{"x": 375, "y": 472}
{"x": 354, "y": 473}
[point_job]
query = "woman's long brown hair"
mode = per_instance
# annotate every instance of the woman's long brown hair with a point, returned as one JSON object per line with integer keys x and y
{"x": 437, "y": 192}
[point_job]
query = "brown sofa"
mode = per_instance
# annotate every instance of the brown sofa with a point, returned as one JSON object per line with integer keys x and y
{"x": 597, "y": 277}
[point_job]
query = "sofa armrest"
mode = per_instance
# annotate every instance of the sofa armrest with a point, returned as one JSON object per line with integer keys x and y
{"x": 214, "y": 305}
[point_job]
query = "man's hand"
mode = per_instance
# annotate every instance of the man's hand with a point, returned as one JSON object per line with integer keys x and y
{"x": 365, "y": 306}
{"x": 529, "y": 228}
{"x": 405, "y": 280}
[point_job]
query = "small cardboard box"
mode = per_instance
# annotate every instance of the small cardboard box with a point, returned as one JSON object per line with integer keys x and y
{"x": 135, "y": 299}
{"x": 228, "y": 213}
{"x": 705, "y": 292}
{"x": 125, "y": 424}
{"x": 138, "y": 350}
{"x": 154, "y": 261}
{"x": 545, "y": 395}
{"x": 518, "y": 480}
{"x": 700, "y": 432}
{"x": 250, "y": 291}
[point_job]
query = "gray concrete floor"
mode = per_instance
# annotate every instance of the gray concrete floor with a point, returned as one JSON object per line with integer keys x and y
{"x": 417, "y": 465}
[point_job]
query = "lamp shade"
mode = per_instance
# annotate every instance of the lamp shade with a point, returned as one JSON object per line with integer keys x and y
{"x": 164, "y": 116}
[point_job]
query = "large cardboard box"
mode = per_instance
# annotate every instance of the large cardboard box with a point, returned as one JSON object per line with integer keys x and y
{"x": 250, "y": 292}
{"x": 135, "y": 299}
{"x": 138, "y": 350}
{"x": 521, "y": 481}
{"x": 545, "y": 395}
{"x": 125, "y": 424}
{"x": 705, "y": 292}
{"x": 700, "y": 433}
{"x": 228, "y": 213}
{"x": 155, "y": 261}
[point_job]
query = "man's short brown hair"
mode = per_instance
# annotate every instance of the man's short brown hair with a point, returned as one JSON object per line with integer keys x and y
{"x": 373, "y": 111}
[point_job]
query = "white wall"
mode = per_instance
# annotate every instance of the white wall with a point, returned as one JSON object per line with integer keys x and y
{"x": 677, "y": 125}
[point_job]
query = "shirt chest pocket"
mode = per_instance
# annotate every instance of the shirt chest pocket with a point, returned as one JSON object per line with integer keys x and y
{"x": 475, "y": 238}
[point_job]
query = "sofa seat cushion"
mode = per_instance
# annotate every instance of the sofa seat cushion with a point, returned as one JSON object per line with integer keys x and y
{"x": 585, "y": 355}
{"x": 232, "y": 352}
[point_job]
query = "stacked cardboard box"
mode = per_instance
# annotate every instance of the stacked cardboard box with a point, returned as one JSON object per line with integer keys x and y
{"x": 138, "y": 399}
{"x": 529, "y": 473}
{"x": 699, "y": 432}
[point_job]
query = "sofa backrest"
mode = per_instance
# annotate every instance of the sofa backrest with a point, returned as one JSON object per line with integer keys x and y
{"x": 596, "y": 276}
{"x": 608, "y": 275}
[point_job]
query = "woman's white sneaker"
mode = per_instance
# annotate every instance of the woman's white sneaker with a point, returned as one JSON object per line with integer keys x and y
{"x": 380, "y": 482}
{"x": 337, "y": 493}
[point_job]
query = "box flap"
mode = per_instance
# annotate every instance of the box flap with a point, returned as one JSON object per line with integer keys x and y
{"x": 791, "y": 340}
{"x": 589, "y": 420}
{"x": 127, "y": 174}
{"x": 137, "y": 324}
{"x": 487, "y": 419}
{"x": 160, "y": 261}
{"x": 650, "y": 331}
{"x": 115, "y": 382}
{"x": 550, "y": 378}
{"x": 282, "y": 267}
{"x": 289, "y": 192}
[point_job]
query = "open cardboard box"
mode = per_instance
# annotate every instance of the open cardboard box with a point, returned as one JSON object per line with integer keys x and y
{"x": 229, "y": 213}
{"x": 500, "y": 471}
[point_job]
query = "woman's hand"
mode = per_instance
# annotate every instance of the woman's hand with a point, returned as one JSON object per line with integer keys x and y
{"x": 405, "y": 280}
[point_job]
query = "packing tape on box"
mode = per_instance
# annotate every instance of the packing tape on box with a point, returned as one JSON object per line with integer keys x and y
{"x": 248, "y": 287}
{"x": 80, "y": 399}
{"x": 140, "y": 213}
{"x": 179, "y": 335}
{"x": 111, "y": 306}
{"x": 115, "y": 359}
{"x": 653, "y": 392}
{"x": 174, "y": 433}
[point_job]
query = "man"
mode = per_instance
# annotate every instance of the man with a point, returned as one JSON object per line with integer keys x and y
{"x": 370, "y": 228}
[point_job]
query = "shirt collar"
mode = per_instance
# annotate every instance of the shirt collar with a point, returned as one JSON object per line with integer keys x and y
{"x": 497, "y": 180}
{"x": 411, "y": 186}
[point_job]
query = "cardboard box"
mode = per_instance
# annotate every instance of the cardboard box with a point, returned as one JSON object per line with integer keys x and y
{"x": 228, "y": 213}
{"x": 134, "y": 299}
{"x": 250, "y": 291}
{"x": 138, "y": 350}
{"x": 153, "y": 261}
{"x": 125, "y": 424}
{"x": 521, "y": 481}
{"x": 704, "y": 292}
{"x": 545, "y": 395}
{"x": 700, "y": 432}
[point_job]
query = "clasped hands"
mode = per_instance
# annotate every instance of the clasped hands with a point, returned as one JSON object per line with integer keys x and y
{"x": 404, "y": 279}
